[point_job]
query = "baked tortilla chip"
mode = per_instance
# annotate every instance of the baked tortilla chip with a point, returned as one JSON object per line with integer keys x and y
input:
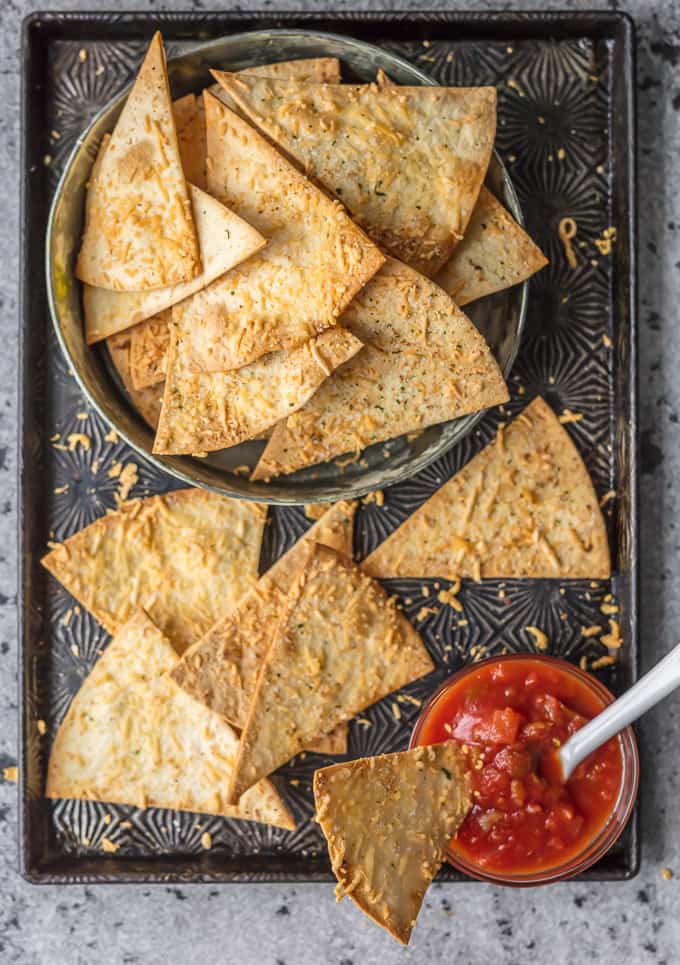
{"x": 186, "y": 557}
{"x": 423, "y": 362}
{"x": 203, "y": 412}
{"x": 408, "y": 162}
{"x": 221, "y": 670}
{"x": 147, "y": 401}
{"x": 495, "y": 253}
{"x": 388, "y": 821}
{"x": 340, "y": 645}
{"x": 190, "y": 115}
{"x": 190, "y": 124}
{"x": 149, "y": 344}
{"x": 523, "y": 507}
{"x": 225, "y": 240}
{"x": 139, "y": 229}
{"x": 315, "y": 261}
{"x": 133, "y": 737}
{"x": 312, "y": 70}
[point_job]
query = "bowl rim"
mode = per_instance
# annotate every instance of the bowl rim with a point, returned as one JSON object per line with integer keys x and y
{"x": 172, "y": 465}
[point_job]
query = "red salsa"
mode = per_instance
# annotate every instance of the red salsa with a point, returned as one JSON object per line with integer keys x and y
{"x": 514, "y": 713}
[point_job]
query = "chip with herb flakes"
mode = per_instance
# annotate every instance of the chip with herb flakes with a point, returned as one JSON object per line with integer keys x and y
{"x": 495, "y": 253}
{"x": 340, "y": 645}
{"x": 388, "y": 821}
{"x": 203, "y": 412}
{"x": 523, "y": 507}
{"x": 315, "y": 261}
{"x": 225, "y": 241}
{"x": 186, "y": 557}
{"x": 147, "y": 401}
{"x": 139, "y": 227}
{"x": 221, "y": 669}
{"x": 423, "y": 363}
{"x": 131, "y": 736}
{"x": 408, "y": 162}
{"x": 312, "y": 70}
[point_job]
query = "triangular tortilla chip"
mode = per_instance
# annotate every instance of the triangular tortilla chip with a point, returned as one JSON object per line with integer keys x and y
{"x": 225, "y": 241}
{"x": 523, "y": 507}
{"x": 190, "y": 115}
{"x": 315, "y": 261}
{"x": 423, "y": 363}
{"x": 205, "y": 412}
{"x": 312, "y": 70}
{"x": 186, "y": 557}
{"x": 147, "y": 401}
{"x": 139, "y": 230}
{"x": 408, "y": 162}
{"x": 495, "y": 253}
{"x": 340, "y": 645}
{"x": 190, "y": 124}
{"x": 133, "y": 737}
{"x": 388, "y": 821}
{"x": 221, "y": 670}
{"x": 149, "y": 344}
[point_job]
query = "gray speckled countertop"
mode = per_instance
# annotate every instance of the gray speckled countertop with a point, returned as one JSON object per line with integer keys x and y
{"x": 638, "y": 921}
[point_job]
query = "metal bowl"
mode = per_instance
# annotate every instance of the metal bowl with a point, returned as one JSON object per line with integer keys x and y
{"x": 499, "y": 317}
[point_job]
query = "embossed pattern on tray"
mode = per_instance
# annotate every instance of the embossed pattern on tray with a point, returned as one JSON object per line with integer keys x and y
{"x": 554, "y": 135}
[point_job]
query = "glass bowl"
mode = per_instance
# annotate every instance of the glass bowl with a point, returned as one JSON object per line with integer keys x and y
{"x": 499, "y": 317}
{"x": 598, "y": 846}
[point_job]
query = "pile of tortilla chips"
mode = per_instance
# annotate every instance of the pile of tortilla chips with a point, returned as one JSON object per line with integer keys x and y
{"x": 283, "y": 253}
{"x": 239, "y": 299}
{"x": 201, "y": 645}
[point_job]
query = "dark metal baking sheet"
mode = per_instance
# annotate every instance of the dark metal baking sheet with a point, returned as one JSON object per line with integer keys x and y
{"x": 566, "y": 131}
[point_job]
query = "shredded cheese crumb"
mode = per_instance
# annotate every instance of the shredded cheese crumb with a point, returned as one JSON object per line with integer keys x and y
{"x": 76, "y": 439}
{"x": 110, "y": 847}
{"x": 566, "y": 231}
{"x": 569, "y": 416}
{"x": 591, "y": 631}
{"x": 607, "y": 341}
{"x": 666, "y": 874}
{"x": 450, "y": 597}
{"x": 602, "y": 662}
{"x": 608, "y": 608}
{"x": 206, "y": 840}
{"x": 607, "y": 498}
{"x": 612, "y": 640}
{"x": 604, "y": 244}
{"x": 111, "y": 436}
{"x": 540, "y": 639}
{"x": 42, "y": 727}
{"x": 129, "y": 477}
{"x": 377, "y": 497}
{"x": 11, "y": 774}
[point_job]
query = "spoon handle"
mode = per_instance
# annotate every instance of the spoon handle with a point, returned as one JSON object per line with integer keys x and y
{"x": 660, "y": 681}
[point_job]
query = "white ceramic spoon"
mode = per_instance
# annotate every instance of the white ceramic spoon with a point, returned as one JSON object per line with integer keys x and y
{"x": 658, "y": 683}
